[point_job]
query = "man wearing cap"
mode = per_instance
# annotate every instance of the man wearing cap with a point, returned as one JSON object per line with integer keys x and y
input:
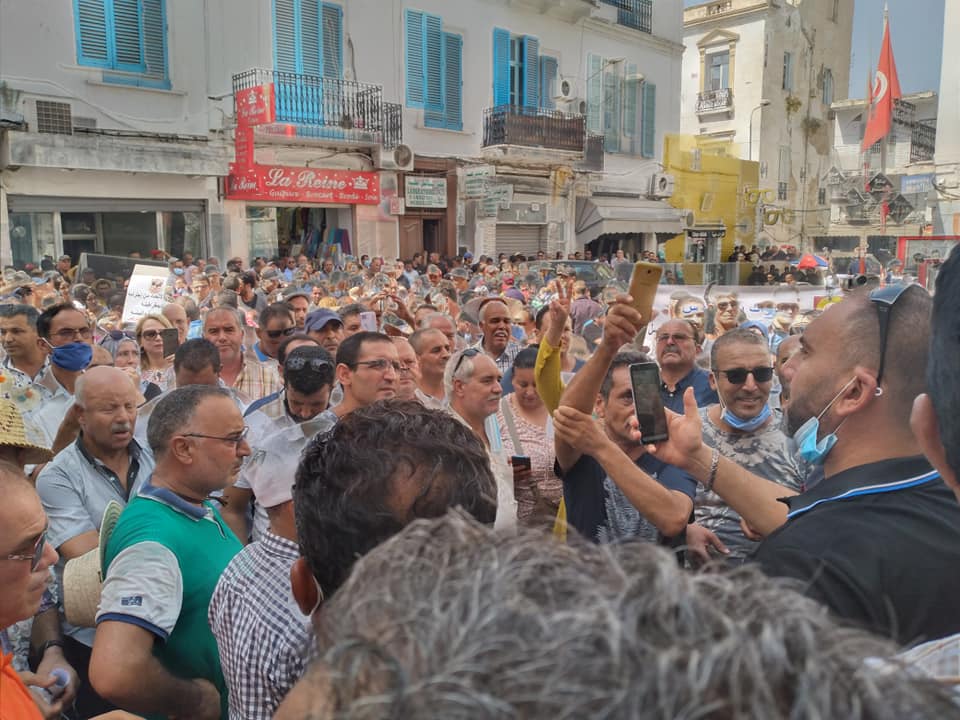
{"x": 307, "y": 382}
{"x": 299, "y": 301}
{"x": 251, "y": 380}
{"x": 326, "y": 327}
{"x": 104, "y": 463}
{"x": 26, "y": 358}
{"x": 269, "y": 281}
{"x": 497, "y": 341}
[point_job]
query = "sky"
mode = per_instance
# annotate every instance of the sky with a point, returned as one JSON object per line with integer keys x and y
{"x": 916, "y": 28}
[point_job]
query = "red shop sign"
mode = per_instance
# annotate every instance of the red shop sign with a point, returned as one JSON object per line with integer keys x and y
{"x": 299, "y": 184}
{"x": 255, "y": 105}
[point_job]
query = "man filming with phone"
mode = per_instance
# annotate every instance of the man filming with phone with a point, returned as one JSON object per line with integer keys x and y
{"x": 613, "y": 489}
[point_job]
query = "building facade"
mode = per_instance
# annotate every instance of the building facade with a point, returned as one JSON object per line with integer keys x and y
{"x": 248, "y": 127}
{"x": 760, "y": 76}
{"x": 946, "y": 202}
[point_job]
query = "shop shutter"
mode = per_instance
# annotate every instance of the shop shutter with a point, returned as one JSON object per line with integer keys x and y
{"x": 413, "y": 30}
{"x": 127, "y": 35}
{"x": 501, "y": 67}
{"x": 433, "y": 57}
{"x": 91, "y": 29}
{"x": 332, "y": 41}
{"x": 155, "y": 38}
{"x": 548, "y": 82}
{"x": 649, "y": 100}
{"x": 531, "y": 72}
{"x": 515, "y": 239}
{"x": 594, "y": 93}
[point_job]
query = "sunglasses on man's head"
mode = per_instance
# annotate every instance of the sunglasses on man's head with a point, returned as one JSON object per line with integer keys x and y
{"x": 738, "y": 376}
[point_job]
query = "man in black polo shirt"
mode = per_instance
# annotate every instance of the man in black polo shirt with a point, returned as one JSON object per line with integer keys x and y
{"x": 878, "y": 538}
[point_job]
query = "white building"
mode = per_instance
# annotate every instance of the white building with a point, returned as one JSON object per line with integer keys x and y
{"x": 762, "y": 75}
{"x": 387, "y": 128}
{"x": 946, "y": 211}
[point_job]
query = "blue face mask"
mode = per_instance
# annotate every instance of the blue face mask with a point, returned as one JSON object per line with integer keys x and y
{"x": 178, "y": 271}
{"x": 746, "y": 424}
{"x": 815, "y": 451}
{"x": 72, "y": 357}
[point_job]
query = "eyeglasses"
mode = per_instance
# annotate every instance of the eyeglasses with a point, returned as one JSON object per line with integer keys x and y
{"x": 286, "y": 332}
{"x": 721, "y": 306}
{"x": 738, "y": 376}
{"x": 37, "y": 553}
{"x": 69, "y": 334}
{"x": 468, "y": 353}
{"x": 666, "y": 337}
{"x": 381, "y": 365}
{"x": 235, "y": 439}
{"x": 151, "y": 334}
{"x": 299, "y": 363}
{"x": 885, "y": 298}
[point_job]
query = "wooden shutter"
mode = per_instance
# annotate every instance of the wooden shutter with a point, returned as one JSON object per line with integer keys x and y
{"x": 548, "y": 82}
{"x": 594, "y": 91}
{"x": 531, "y": 72}
{"x": 332, "y": 41}
{"x": 127, "y": 36}
{"x": 413, "y": 32}
{"x": 453, "y": 81}
{"x": 433, "y": 56}
{"x": 649, "y": 100}
{"x": 501, "y": 67}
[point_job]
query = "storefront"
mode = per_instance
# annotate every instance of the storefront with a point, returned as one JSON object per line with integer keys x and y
{"x": 607, "y": 223}
{"x": 429, "y": 220}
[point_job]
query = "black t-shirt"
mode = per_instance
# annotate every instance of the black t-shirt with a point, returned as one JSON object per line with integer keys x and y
{"x": 599, "y": 510}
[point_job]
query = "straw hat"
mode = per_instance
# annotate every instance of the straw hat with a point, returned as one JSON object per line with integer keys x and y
{"x": 13, "y": 432}
{"x": 82, "y": 576}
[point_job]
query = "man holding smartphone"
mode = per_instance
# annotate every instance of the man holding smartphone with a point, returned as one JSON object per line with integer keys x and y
{"x": 613, "y": 489}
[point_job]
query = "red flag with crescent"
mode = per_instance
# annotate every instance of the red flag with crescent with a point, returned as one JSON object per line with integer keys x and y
{"x": 886, "y": 89}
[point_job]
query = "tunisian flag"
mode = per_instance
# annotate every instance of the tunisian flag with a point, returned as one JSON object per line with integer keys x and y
{"x": 886, "y": 89}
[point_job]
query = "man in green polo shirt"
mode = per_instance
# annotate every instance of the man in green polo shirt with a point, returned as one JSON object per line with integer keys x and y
{"x": 154, "y": 653}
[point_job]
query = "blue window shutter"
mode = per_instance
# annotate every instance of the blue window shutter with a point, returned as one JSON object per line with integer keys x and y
{"x": 630, "y": 91}
{"x": 155, "y": 38}
{"x": 128, "y": 35}
{"x": 90, "y": 19}
{"x": 332, "y": 37}
{"x": 501, "y": 67}
{"x": 310, "y": 47}
{"x": 284, "y": 36}
{"x": 531, "y": 72}
{"x": 611, "y": 107}
{"x": 433, "y": 118}
{"x": 594, "y": 93}
{"x": 433, "y": 60}
{"x": 413, "y": 29}
{"x": 649, "y": 100}
{"x": 548, "y": 82}
{"x": 453, "y": 81}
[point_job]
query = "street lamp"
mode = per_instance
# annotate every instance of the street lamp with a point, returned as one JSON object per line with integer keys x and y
{"x": 763, "y": 103}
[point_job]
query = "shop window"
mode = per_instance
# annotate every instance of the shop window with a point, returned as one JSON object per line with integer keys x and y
{"x": 31, "y": 237}
{"x": 182, "y": 232}
{"x": 124, "y": 233}
{"x": 262, "y": 232}
{"x": 127, "y": 38}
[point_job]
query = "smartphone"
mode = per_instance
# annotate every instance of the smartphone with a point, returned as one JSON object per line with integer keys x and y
{"x": 645, "y": 379}
{"x": 171, "y": 341}
{"x": 368, "y": 321}
{"x": 643, "y": 287}
{"x": 520, "y": 461}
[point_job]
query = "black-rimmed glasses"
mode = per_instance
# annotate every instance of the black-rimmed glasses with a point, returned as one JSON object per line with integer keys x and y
{"x": 236, "y": 439}
{"x": 738, "y": 376}
{"x": 885, "y": 298}
{"x": 36, "y": 555}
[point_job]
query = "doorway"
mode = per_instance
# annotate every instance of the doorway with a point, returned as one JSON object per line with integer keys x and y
{"x": 432, "y": 241}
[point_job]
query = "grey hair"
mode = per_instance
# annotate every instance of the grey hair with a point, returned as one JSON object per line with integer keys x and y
{"x": 453, "y": 620}
{"x": 237, "y": 315}
{"x": 463, "y": 370}
{"x": 175, "y": 410}
{"x": 427, "y": 319}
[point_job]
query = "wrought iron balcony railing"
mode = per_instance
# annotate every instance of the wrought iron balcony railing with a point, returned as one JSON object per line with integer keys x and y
{"x": 713, "y": 100}
{"x": 923, "y": 141}
{"x": 320, "y": 107}
{"x": 531, "y": 127}
{"x": 636, "y": 14}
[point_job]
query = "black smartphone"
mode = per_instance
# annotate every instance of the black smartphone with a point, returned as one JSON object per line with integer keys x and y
{"x": 520, "y": 461}
{"x": 645, "y": 379}
{"x": 171, "y": 341}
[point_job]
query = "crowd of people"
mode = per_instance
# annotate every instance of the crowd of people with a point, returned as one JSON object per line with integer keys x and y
{"x": 312, "y": 488}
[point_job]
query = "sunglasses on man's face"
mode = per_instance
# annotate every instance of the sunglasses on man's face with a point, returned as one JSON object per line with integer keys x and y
{"x": 733, "y": 304}
{"x": 738, "y": 376}
{"x": 276, "y": 334}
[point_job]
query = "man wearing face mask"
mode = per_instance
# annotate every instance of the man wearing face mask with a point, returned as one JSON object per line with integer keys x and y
{"x": 742, "y": 427}
{"x": 876, "y": 538}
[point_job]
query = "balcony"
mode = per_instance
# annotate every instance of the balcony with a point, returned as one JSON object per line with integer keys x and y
{"x": 636, "y": 14}
{"x": 328, "y": 109}
{"x": 923, "y": 140}
{"x": 714, "y": 101}
{"x": 534, "y": 128}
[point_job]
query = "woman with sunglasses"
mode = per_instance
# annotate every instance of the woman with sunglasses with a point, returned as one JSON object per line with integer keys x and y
{"x": 153, "y": 365}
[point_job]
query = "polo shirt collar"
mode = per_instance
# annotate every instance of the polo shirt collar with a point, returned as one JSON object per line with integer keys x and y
{"x": 172, "y": 500}
{"x": 870, "y": 479}
{"x": 133, "y": 449}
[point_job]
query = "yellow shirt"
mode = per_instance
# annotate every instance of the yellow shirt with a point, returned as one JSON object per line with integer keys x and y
{"x": 546, "y": 375}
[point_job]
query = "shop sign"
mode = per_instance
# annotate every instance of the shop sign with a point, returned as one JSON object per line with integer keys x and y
{"x": 499, "y": 195}
{"x": 707, "y": 234}
{"x": 278, "y": 183}
{"x": 145, "y": 292}
{"x": 426, "y": 192}
{"x": 475, "y": 180}
{"x": 243, "y": 146}
{"x": 255, "y": 105}
{"x": 916, "y": 184}
{"x": 397, "y": 205}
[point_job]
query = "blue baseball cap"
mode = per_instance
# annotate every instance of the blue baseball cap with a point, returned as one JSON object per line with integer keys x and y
{"x": 318, "y": 319}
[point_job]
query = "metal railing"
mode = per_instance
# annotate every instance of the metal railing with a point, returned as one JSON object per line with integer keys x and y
{"x": 329, "y": 108}
{"x": 531, "y": 127}
{"x": 923, "y": 142}
{"x": 710, "y": 100}
{"x": 636, "y": 14}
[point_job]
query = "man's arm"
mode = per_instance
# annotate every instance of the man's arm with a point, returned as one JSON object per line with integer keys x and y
{"x": 124, "y": 670}
{"x": 236, "y": 500}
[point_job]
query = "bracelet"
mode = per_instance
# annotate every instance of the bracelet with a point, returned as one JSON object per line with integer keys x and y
{"x": 714, "y": 464}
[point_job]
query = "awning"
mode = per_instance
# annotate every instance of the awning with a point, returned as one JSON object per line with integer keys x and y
{"x": 599, "y": 215}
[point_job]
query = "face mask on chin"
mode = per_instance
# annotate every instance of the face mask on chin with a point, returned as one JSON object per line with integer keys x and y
{"x": 812, "y": 450}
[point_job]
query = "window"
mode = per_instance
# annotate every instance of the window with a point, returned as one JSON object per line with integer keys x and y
{"x": 621, "y": 106}
{"x": 781, "y": 191}
{"x": 827, "y": 87}
{"x": 788, "y": 71}
{"x": 308, "y": 38}
{"x": 636, "y": 14}
{"x": 821, "y": 196}
{"x": 521, "y": 76}
{"x": 127, "y": 38}
{"x": 718, "y": 71}
{"x": 434, "y": 70}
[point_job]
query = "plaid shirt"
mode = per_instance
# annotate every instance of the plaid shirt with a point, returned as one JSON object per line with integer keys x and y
{"x": 262, "y": 636}
{"x": 505, "y": 360}
{"x": 256, "y": 380}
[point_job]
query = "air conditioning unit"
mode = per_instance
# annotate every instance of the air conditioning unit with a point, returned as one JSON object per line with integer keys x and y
{"x": 398, "y": 158}
{"x": 661, "y": 185}
{"x": 689, "y": 218}
{"x": 566, "y": 90}
{"x": 604, "y": 13}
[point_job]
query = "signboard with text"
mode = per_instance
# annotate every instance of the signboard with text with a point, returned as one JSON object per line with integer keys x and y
{"x": 425, "y": 192}
{"x": 255, "y": 105}
{"x": 145, "y": 292}
{"x": 475, "y": 180}
{"x": 277, "y": 183}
